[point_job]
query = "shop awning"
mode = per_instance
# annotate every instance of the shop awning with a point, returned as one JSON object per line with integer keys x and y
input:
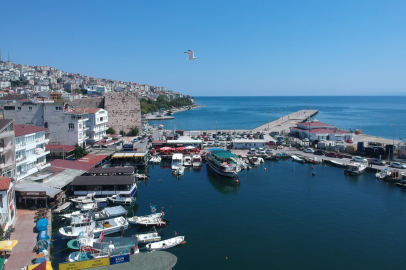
{"x": 7, "y": 245}
{"x": 118, "y": 155}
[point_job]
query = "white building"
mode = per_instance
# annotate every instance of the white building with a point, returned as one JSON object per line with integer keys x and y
{"x": 97, "y": 123}
{"x": 247, "y": 144}
{"x": 7, "y": 202}
{"x": 66, "y": 126}
{"x": 7, "y": 148}
{"x": 30, "y": 150}
{"x": 319, "y": 131}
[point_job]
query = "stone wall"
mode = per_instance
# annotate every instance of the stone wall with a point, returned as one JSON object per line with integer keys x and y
{"x": 124, "y": 109}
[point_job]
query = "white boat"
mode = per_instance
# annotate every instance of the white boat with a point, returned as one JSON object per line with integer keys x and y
{"x": 155, "y": 159}
{"x": 256, "y": 160}
{"x": 177, "y": 161}
{"x": 223, "y": 162}
{"x": 107, "y": 226}
{"x": 107, "y": 212}
{"x": 165, "y": 244}
{"x": 179, "y": 171}
{"x": 151, "y": 236}
{"x": 89, "y": 198}
{"x": 197, "y": 161}
{"x": 355, "y": 169}
{"x": 87, "y": 206}
{"x": 147, "y": 221}
{"x": 298, "y": 159}
{"x": 336, "y": 163}
{"x": 187, "y": 161}
{"x": 120, "y": 199}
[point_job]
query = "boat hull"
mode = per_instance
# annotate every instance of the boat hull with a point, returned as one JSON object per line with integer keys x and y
{"x": 214, "y": 168}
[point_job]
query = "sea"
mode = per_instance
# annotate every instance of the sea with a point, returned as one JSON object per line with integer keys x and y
{"x": 281, "y": 215}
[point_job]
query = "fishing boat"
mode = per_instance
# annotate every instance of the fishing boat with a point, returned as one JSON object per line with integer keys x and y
{"x": 151, "y": 236}
{"x": 313, "y": 160}
{"x": 177, "y": 161}
{"x": 354, "y": 169}
{"x": 256, "y": 160}
{"x": 165, "y": 244}
{"x": 79, "y": 224}
{"x": 87, "y": 206}
{"x": 108, "y": 212}
{"x": 336, "y": 163}
{"x": 89, "y": 198}
{"x": 381, "y": 175}
{"x": 147, "y": 221}
{"x": 223, "y": 162}
{"x": 187, "y": 161}
{"x": 124, "y": 197}
{"x": 196, "y": 161}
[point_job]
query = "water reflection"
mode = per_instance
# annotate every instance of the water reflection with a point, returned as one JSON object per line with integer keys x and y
{"x": 223, "y": 184}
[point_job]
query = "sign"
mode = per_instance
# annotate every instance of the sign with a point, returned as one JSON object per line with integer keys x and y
{"x": 33, "y": 193}
{"x": 120, "y": 259}
{"x": 85, "y": 264}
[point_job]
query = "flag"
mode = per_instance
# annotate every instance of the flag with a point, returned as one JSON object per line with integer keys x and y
{"x": 163, "y": 213}
{"x": 176, "y": 233}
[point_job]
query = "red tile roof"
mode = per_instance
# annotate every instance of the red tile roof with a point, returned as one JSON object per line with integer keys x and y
{"x": 85, "y": 110}
{"x": 92, "y": 159}
{"x": 5, "y": 183}
{"x": 68, "y": 164}
{"x": 21, "y": 130}
{"x": 66, "y": 148}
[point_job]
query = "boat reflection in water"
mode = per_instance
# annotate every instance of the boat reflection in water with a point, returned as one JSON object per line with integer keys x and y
{"x": 223, "y": 184}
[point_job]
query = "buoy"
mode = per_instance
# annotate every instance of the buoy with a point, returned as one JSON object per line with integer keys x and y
{"x": 237, "y": 181}
{"x": 312, "y": 167}
{"x": 226, "y": 258}
{"x": 264, "y": 169}
{"x": 313, "y": 174}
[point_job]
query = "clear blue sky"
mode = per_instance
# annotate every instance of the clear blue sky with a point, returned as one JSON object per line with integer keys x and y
{"x": 244, "y": 47}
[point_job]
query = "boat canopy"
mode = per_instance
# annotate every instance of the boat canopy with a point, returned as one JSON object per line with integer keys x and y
{"x": 221, "y": 153}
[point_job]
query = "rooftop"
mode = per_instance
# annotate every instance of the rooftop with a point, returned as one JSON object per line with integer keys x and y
{"x": 59, "y": 148}
{"x": 74, "y": 165}
{"x": 4, "y": 123}
{"x": 102, "y": 180}
{"x": 92, "y": 159}
{"x": 4, "y": 183}
{"x": 21, "y": 130}
{"x": 85, "y": 110}
{"x": 112, "y": 170}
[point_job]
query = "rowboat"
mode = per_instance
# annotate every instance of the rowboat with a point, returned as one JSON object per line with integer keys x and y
{"x": 165, "y": 244}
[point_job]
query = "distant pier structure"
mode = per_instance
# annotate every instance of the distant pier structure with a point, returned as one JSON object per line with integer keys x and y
{"x": 288, "y": 120}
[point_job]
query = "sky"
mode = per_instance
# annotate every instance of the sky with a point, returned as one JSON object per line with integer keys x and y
{"x": 244, "y": 48}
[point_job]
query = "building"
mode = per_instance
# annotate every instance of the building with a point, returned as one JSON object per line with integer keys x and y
{"x": 7, "y": 148}
{"x": 7, "y": 202}
{"x": 30, "y": 151}
{"x": 97, "y": 123}
{"x": 247, "y": 144}
{"x": 66, "y": 126}
{"x": 320, "y": 131}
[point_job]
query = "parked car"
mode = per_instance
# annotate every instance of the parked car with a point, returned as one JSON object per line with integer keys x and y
{"x": 272, "y": 143}
{"x": 359, "y": 159}
{"x": 261, "y": 152}
{"x": 398, "y": 165}
{"x": 331, "y": 154}
{"x": 274, "y": 133}
{"x": 350, "y": 141}
{"x": 306, "y": 140}
{"x": 204, "y": 144}
{"x": 269, "y": 151}
{"x": 308, "y": 150}
{"x": 135, "y": 140}
{"x": 377, "y": 161}
{"x": 319, "y": 152}
{"x": 339, "y": 141}
{"x": 210, "y": 143}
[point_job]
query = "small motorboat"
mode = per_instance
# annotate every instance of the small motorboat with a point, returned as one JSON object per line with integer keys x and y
{"x": 165, "y": 244}
{"x": 121, "y": 199}
{"x": 196, "y": 161}
{"x": 298, "y": 159}
{"x": 149, "y": 237}
{"x": 187, "y": 161}
{"x": 147, "y": 221}
{"x": 155, "y": 159}
{"x": 89, "y": 198}
{"x": 179, "y": 171}
{"x": 256, "y": 160}
{"x": 354, "y": 169}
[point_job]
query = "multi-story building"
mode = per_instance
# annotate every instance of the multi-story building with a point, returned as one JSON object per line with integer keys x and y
{"x": 97, "y": 123}
{"x": 7, "y": 202}
{"x": 7, "y": 148}
{"x": 66, "y": 126}
{"x": 30, "y": 151}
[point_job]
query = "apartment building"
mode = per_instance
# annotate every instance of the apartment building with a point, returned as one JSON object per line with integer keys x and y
{"x": 7, "y": 148}
{"x": 30, "y": 151}
{"x": 97, "y": 123}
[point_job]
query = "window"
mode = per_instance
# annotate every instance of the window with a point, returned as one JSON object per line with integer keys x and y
{"x": 80, "y": 126}
{"x": 9, "y": 108}
{"x": 46, "y": 125}
{"x": 1, "y": 200}
{"x": 18, "y": 108}
{"x": 30, "y": 108}
{"x": 71, "y": 126}
{"x": 58, "y": 108}
{"x": 80, "y": 136}
{"x": 101, "y": 119}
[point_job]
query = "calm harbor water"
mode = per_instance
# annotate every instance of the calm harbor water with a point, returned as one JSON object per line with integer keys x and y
{"x": 373, "y": 115}
{"x": 281, "y": 218}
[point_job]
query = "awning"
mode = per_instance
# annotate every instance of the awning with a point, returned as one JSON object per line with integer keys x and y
{"x": 33, "y": 267}
{"x": 119, "y": 155}
{"x": 139, "y": 155}
{"x": 7, "y": 245}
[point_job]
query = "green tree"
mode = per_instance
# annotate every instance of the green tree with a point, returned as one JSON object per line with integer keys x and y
{"x": 59, "y": 80}
{"x": 162, "y": 99}
{"x": 77, "y": 91}
{"x": 110, "y": 130}
{"x": 78, "y": 152}
{"x": 122, "y": 133}
{"x": 134, "y": 131}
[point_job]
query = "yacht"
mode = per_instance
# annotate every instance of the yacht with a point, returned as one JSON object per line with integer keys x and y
{"x": 197, "y": 161}
{"x": 177, "y": 161}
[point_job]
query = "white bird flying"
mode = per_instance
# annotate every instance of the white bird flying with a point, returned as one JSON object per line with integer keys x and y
{"x": 191, "y": 55}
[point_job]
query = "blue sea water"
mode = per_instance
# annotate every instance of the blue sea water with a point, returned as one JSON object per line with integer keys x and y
{"x": 373, "y": 115}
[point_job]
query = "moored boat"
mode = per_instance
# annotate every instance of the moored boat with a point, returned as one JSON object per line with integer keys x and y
{"x": 222, "y": 162}
{"x": 354, "y": 169}
{"x": 165, "y": 244}
{"x": 196, "y": 161}
{"x": 177, "y": 161}
{"x": 298, "y": 159}
{"x": 187, "y": 161}
{"x": 151, "y": 236}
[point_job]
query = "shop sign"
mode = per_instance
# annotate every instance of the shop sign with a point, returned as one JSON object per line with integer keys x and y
{"x": 119, "y": 259}
{"x": 84, "y": 264}
{"x": 33, "y": 193}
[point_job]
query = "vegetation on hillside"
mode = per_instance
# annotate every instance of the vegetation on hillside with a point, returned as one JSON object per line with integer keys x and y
{"x": 163, "y": 102}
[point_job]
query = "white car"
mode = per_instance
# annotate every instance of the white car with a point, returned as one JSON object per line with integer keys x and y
{"x": 359, "y": 159}
{"x": 269, "y": 151}
{"x": 204, "y": 144}
{"x": 261, "y": 152}
{"x": 305, "y": 140}
{"x": 308, "y": 150}
{"x": 398, "y": 165}
{"x": 210, "y": 144}
{"x": 340, "y": 141}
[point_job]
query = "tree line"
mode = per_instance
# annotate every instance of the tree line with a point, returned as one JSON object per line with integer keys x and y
{"x": 163, "y": 102}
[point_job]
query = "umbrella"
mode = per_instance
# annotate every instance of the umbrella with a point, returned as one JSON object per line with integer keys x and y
{"x": 7, "y": 245}
{"x": 190, "y": 147}
{"x": 164, "y": 148}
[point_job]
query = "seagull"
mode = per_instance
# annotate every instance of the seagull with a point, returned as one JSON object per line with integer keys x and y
{"x": 191, "y": 55}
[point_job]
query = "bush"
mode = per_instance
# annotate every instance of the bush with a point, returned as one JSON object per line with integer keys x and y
{"x": 110, "y": 130}
{"x": 134, "y": 131}
{"x": 122, "y": 133}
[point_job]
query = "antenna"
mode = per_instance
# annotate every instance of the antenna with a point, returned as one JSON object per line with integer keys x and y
{"x": 1, "y": 57}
